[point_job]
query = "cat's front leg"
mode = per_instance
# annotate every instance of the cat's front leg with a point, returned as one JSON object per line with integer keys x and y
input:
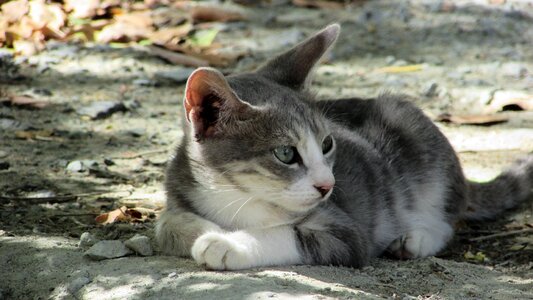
{"x": 247, "y": 248}
{"x": 177, "y": 229}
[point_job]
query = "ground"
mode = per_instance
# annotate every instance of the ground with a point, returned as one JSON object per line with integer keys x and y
{"x": 59, "y": 169}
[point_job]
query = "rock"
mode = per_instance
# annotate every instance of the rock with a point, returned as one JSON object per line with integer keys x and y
{"x": 79, "y": 282}
{"x": 389, "y": 60}
{"x": 514, "y": 69}
{"x": 4, "y": 165}
{"x": 430, "y": 90}
{"x": 75, "y": 166}
{"x": 101, "y": 109}
{"x": 109, "y": 162}
{"x": 107, "y": 249}
{"x": 176, "y": 75}
{"x": 140, "y": 244}
{"x": 87, "y": 240}
{"x": 8, "y": 123}
{"x": 137, "y": 132}
{"x": 131, "y": 104}
{"x": 3, "y": 154}
{"x": 144, "y": 82}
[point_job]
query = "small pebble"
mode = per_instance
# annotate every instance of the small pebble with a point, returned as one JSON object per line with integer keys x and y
{"x": 430, "y": 90}
{"x": 75, "y": 166}
{"x": 87, "y": 240}
{"x": 140, "y": 244}
{"x": 101, "y": 109}
{"x": 4, "y": 165}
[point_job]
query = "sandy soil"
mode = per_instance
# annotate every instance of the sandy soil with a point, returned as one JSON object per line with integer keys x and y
{"x": 471, "y": 53}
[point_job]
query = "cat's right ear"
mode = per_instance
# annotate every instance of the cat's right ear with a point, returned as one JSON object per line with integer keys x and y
{"x": 295, "y": 67}
{"x": 207, "y": 95}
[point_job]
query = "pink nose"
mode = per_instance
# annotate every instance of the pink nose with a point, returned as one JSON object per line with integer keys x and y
{"x": 323, "y": 189}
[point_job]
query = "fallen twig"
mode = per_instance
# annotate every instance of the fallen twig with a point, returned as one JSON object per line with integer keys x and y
{"x": 501, "y": 234}
{"x": 51, "y": 199}
{"x": 140, "y": 154}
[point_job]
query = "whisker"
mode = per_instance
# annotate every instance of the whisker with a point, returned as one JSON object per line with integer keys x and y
{"x": 232, "y": 202}
{"x": 238, "y": 210}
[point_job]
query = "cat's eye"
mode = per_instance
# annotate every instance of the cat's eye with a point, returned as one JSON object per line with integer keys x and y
{"x": 286, "y": 154}
{"x": 327, "y": 144}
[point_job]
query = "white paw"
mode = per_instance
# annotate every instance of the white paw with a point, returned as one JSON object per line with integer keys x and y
{"x": 219, "y": 251}
{"x": 422, "y": 243}
{"x": 417, "y": 243}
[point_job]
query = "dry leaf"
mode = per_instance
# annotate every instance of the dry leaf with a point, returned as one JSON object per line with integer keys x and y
{"x": 170, "y": 35}
{"x": 25, "y": 101}
{"x": 50, "y": 15}
{"x": 122, "y": 214}
{"x": 318, "y": 4}
{"x": 127, "y": 28}
{"x": 25, "y": 48}
{"x": 485, "y": 120}
{"x": 34, "y": 134}
{"x": 177, "y": 58}
{"x": 13, "y": 11}
{"x": 212, "y": 13}
{"x": 82, "y": 9}
{"x": 400, "y": 69}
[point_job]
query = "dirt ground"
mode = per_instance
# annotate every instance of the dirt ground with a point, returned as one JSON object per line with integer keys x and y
{"x": 59, "y": 168}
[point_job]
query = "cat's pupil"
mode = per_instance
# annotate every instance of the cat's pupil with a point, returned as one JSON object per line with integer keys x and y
{"x": 286, "y": 154}
{"x": 327, "y": 144}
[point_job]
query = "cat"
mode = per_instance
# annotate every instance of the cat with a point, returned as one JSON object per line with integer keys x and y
{"x": 267, "y": 175}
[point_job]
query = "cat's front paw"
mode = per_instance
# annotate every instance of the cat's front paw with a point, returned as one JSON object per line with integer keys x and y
{"x": 219, "y": 251}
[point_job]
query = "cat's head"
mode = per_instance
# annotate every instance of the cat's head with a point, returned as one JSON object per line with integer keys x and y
{"x": 259, "y": 134}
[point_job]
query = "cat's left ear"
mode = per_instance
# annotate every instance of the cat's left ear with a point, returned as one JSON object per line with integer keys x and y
{"x": 294, "y": 67}
{"x": 209, "y": 100}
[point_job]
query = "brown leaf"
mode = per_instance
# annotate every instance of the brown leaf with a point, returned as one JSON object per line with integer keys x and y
{"x": 177, "y": 58}
{"x": 127, "y": 28}
{"x": 213, "y": 13}
{"x": 34, "y": 134}
{"x": 50, "y": 15}
{"x": 122, "y": 214}
{"x": 25, "y": 48}
{"x": 318, "y": 4}
{"x": 82, "y": 9}
{"x": 23, "y": 28}
{"x": 472, "y": 119}
{"x": 13, "y": 11}
{"x": 170, "y": 35}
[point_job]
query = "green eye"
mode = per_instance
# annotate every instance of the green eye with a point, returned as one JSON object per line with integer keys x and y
{"x": 286, "y": 154}
{"x": 327, "y": 144}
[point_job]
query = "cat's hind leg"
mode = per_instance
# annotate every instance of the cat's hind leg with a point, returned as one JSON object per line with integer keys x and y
{"x": 423, "y": 239}
{"x": 428, "y": 228}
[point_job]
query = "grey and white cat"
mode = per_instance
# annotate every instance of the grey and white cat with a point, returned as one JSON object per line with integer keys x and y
{"x": 267, "y": 175}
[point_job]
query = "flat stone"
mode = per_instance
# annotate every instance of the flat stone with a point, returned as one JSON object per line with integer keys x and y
{"x": 140, "y": 244}
{"x": 101, "y": 109}
{"x": 107, "y": 249}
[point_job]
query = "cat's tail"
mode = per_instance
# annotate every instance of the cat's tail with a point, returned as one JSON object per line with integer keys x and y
{"x": 487, "y": 200}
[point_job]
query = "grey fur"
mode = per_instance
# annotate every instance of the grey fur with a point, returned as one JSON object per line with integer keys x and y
{"x": 390, "y": 161}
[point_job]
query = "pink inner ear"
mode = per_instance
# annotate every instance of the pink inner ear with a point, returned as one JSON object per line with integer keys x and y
{"x": 194, "y": 95}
